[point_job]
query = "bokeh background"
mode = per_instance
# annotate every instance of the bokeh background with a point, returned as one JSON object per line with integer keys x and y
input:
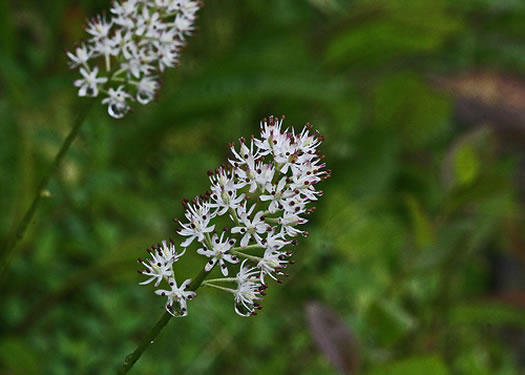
{"x": 414, "y": 264}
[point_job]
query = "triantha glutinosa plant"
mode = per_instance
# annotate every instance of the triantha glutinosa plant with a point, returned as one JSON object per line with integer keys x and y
{"x": 247, "y": 222}
{"x": 122, "y": 60}
{"x": 135, "y": 43}
{"x": 245, "y": 225}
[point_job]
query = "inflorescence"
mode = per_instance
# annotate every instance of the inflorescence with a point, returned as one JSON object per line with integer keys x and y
{"x": 136, "y": 43}
{"x": 262, "y": 197}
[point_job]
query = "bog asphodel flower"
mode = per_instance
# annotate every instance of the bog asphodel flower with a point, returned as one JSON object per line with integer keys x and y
{"x": 134, "y": 44}
{"x": 264, "y": 193}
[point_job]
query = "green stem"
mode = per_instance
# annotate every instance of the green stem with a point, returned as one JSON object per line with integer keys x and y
{"x": 154, "y": 332}
{"x": 219, "y": 287}
{"x": 220, "y": 279}
{"x": 10, "y": 248}
{"x": 249, "y": 247}
{"x": 251, "y": 257}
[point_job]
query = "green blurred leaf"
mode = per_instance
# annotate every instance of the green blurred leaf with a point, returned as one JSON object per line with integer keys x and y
{"x": 399, "y": 28}
{"x": 18, "y": 358}
{"x": 405, "y": 105}
{"x": 488, "y": 313}
{"x": 390, "y": 321}
{"x": 422, "y": 226}
{"x": 413, "y": 366}
{"x": 466, "y": 164}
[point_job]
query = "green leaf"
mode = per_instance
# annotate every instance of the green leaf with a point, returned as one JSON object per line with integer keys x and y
{"x": 16, "y": 357}
{"x": 490, "y": 313}
{"x": 392, "y": 28}
{"x": 421, "y": 224}
{"x": 466, "y": 164}
{"x": 407, "y": 107}
{"x": 429, "y": 365}
{"x": 390, "y": 320}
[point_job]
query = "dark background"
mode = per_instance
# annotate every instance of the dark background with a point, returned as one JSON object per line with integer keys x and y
{"x": 415, "y": 260}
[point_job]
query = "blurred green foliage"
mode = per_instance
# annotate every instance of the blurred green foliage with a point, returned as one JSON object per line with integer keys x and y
{"x": 416, "y": 244}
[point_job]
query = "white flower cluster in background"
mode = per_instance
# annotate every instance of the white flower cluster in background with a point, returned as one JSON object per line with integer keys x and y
{"x": 263, "y": 197}
{"x": 134, "y": 44}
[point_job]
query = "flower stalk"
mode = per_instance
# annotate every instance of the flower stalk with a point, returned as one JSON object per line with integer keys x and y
{"x": 275, "y": 175}
{"x": 10, "y": 248}
{"x": 132, "y": 358}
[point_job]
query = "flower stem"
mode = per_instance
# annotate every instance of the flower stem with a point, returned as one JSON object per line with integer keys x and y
{"x": 241, "y": 249}
{"x": 9, "y": 249}
{"x": 220, "y": 279}
{"x": 154, "y": 332}
{"x": 251, "y": 257}
{"x": 230, "y": 290}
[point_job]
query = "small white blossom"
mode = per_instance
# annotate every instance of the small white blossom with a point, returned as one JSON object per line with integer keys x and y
{"x": 117, "y": 102}
{"x": 248, "y": 291}
{"x": 219, "y": 253}
{"x": 136, "y": 42}
{"x": 272, "y": 263}
{"x": 199, "y": 217}
{"x": 224, "y": 193}
{"x": 98, "y": 27}
{"x": 80, "y": 57}
{"x": 146, "y": 89}
{"x": 159, "y": 267}
{"x": 250, "y": 228}
{"x": 177, "y": 297}
{"x": 89, "y": 84}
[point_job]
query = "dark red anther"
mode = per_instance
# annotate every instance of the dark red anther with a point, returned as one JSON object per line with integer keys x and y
{"x": 291, "y": 261}
{"x": 140, "y": 271}
{"x": 279, "y": 281}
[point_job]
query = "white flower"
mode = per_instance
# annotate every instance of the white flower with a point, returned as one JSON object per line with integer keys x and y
{"x": 250, "y": 228}
{"x": 278, "y": 195}
{"x": 275, "y": 241}
{"x": 80, "y": 57}
{"x": 199, "y": 217}
{"x": 117, "y": 102}
{"x": 159, "y": 267}
{"x": 146, "y": 89}
{"x": 177, "y": 297}
{"x": 272, "y": 263}
{"x": 98, "y": 27}
{"x": 183, "y": 26}
{"x": 224, "y": 195}
{"x": 89, "y": 84}
{"x": 288, "y": 223}
{"x": 136, "y": 42}
{"x": 248, "y": 291}
{"x": 219, "y": 253}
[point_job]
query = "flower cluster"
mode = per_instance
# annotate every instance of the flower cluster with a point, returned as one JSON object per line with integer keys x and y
{"x": 263, "y": 197}
{"x": 136, "y": 43}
